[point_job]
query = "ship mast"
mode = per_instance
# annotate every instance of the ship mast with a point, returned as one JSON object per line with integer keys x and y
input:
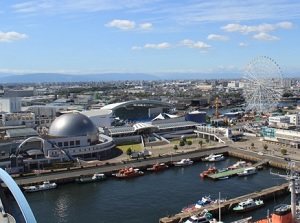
{"x": 291, "y": 177}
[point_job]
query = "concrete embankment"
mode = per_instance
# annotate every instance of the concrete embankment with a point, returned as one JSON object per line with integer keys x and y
{"x": 227, "y": 206}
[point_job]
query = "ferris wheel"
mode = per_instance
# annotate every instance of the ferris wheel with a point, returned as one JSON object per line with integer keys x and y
{"x": 263, "y": 85}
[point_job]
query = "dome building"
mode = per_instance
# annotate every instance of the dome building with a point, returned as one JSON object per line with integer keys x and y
{"x": 76, "y": 134}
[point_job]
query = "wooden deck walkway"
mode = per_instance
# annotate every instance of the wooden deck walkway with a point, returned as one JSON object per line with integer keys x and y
{"x": 230, "y": 173}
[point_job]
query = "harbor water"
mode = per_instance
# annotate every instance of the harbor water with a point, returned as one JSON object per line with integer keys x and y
{"x": 148, "y": 198}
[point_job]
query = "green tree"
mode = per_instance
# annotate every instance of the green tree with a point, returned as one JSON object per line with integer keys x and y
{"x": 200, "y": 143}
{"x": 175, "y": 147}
{"x": 265, "y": 147}
{"x": 181, "y": 143}
{"x": 283, "y": 151}
{"x": 189, "y": 143}
{"x": 129, "y": 151}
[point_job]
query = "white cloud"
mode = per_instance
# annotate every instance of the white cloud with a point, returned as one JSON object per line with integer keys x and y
{"x": 265, "y": 36}
{"x": 262, "y": 28}
{"x": 193, "y": 44}
{"x": 121, "y": 24}
{"x": 243, "y": 44}
{"x": 146, "y": 26}
{"x": 217, "y": 37}
{"x": 11, "y": 36}
{"x": 285, "y": 25}
{"x": 158, "y": 46}
{"x": 136, "y": 48}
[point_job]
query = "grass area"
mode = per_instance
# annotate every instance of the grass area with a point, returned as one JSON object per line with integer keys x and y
{"x": 135, "y": 147}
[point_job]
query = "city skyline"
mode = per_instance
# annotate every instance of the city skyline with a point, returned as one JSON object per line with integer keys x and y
{"x": 154, "y": 37}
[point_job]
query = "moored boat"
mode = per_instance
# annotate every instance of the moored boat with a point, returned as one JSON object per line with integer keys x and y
{"x": 240, "y": 164}
{"x": 214, "y": 158}
{"x": 247, "y": 171}
{"x": 203, "y": 202}
{"x": 95, "y": 177}
{"x": 158, "y": 167}
{"x": 209, "y": 171}
{"x": 45, "y": 186}
{"x": 202, "y": 218}
{"x": 248, "y": 205}
{"x": 129, "y": 172}
{"x": 183, "y": 162}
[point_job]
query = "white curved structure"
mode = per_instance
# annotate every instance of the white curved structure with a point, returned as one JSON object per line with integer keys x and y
{"x": 19, "y": 196}
{"x": 263, "y": 85}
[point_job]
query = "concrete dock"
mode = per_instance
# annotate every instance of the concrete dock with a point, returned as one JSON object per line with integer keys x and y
{"x": 227, "y": 206}
{"x": 233, "y": 172}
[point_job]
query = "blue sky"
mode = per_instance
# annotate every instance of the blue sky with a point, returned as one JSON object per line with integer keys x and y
{"x": 147, "y": 36}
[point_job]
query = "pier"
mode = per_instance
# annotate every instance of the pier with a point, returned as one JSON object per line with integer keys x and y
{"x": 227, "y": 206}
{"x": 233, "y": 172}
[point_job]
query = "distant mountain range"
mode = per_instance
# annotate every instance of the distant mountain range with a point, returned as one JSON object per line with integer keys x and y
{"x": 56, "y": 77}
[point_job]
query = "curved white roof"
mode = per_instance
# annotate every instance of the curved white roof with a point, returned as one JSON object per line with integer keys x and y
{"x": 140, "y": 126}
{"x": 122, "y": 104}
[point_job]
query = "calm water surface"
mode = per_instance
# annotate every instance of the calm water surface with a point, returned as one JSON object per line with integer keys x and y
{"x": 147, "y": 198}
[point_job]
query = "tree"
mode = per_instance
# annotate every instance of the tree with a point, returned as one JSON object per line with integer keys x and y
{"x": 189, "y": 143}
{"x": 181, "y": 143}
{"x": 129, "y": 151}
{"x": 265, "y": 147}
{"x": 175, "y": 147}
{"x": 207, "y": 140}
{"x": 200, "y": 143}
{"x": 283, "y": 151}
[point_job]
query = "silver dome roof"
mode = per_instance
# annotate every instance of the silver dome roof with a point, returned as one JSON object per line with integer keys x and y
{"x": 72, "y": 124}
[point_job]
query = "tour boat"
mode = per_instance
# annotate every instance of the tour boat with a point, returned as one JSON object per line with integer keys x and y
{"x": 248, "y": 205}
{"x": 95, "y": 177}
{"x": 45, "y": 186}
{"x": 210, "y": 170}
{"x": 247, "y": 171}
{"x": 158, "y": 167}
{"x": 183, "y": 162}
{"x": 129, "y": 172}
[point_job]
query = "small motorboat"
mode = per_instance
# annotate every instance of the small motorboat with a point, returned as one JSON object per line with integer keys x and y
{"x": 158, "y": 167}
{"x": 247, "y": 171}
{"x": 183, "y": 162}
{"x": 129, "y": 172}
{"x": 214, "y": 158}
{"x": 209, "y": 171}
{"x": 45, "y": 186}
{"x": 88, "y": 179}
{"x": 202, "y": 218}
{"x": 248, "y": 205}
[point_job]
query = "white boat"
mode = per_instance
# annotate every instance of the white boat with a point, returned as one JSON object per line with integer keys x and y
{"x": 248, "y": 205}
{"x": 202, "y": 218}
{"x": 215, "y": 158}
{"x": 95, "y": 177}
{"x": 247, "y": 171}
{"x": 45, "y": 186}
{"x": 184, "y": 162}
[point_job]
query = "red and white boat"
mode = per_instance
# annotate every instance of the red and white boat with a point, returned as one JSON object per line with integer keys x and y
{"x": 158, "y": 167}
{"x": 210, "y": 170}
{"x": 129, "y": 172}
